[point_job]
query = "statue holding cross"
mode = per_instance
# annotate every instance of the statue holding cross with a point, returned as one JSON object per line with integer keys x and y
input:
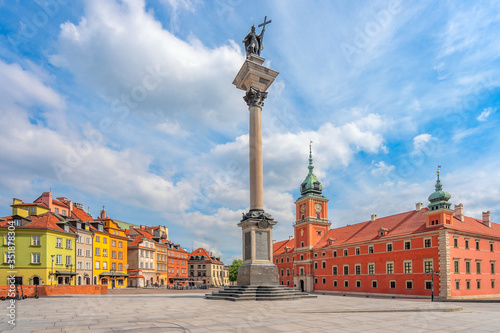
{"x": 253, "y": 42}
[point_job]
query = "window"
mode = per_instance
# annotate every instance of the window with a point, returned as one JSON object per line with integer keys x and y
{"x": 457, "y": 266}
{"x": 409, "y": 284}
{"x": 390, "y": 268}
{"x": 374, "y": 283}
{"x": 120, "y": 244}
{"x": 59, "y": 242}
{"x": 467, "y": 284}
{"x": 35, "y": 258}
{"x": 281, "y": 260}
{"x": 301, "y": 244}
{"x": 371, "y": 269}
{"x": 478, "y": 267}
{"x": 56, "y": 210}
{"x": 335, "y": 283}
{"x": 357, "y": 269}
{"x": 346, "y": 269}
{"x": 323, "y": 264}
{"x": 457, "y": 284}
{"x": 97, "y": 251}
{"x": 324, "y": 280}
{"x": 79, "y": 265}
{"x": 492, "y": 284}
{"x": 113, "y": 254}
{"x": 428, "y": 267}
{"x": 455, "y": 242}
{"x": 88, "y": 253}
{"x": 59, "y": 259}
{"x": 335, "y": 254}
{"x": 467, "y": 266}
{"x": 478, "y": 243}
{"x": 370, "y": 249}
{"x": 97, "y": 239}
{"x": 80, "y": 239}
{"x": 68, "y": 243}
{"x": 334, "y": 270}
{"x": 88, "y": 265}
{"x": 407, "y": 245}
{"x": 120, "y": 255}
{"x": 427, "y": 242}
{"x": 79, "y": 252}
{"x": 104, "y": 265}
{"x": 35, "y": 240}
{"x": 478, "y": 284}
{"x": 68, "y": 260}
{"x": 113, "y": 266}
{"x": 287, "y": 259}
{"x": 97, "y": 265}
{"x": 491, "y": 247}
{"x": 105, "y": 240}
{"x": 492, "y": 265}
{"x": 428, "y": 285}
{"x": 88, "y": 241}
{"x": 113, "y": 243}
{"x": 104, "y": 252}
{"x": 357, "y": 251}
{"x": 318, "y": 217}
{"x": 358, "y": 283}
{"x": 389, "y": 247}
{"x": 466, "y": 243}
{"x": 408, "y": 268}
{"x": 345, "y": 253}
{"x": 392, "y": 284}
{"x": 288, "y": 272}
{"x": 301, "y": 257}
{"x": 346, "y": 283}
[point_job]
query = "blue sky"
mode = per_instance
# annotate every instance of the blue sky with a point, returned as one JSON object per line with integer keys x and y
{"x": 129, "y": 104}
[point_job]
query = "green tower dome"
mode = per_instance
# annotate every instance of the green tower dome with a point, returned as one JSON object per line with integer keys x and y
{"x": 311, "y": 185}
{"x": 439, "y": 199}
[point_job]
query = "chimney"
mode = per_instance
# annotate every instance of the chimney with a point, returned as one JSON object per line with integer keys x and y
{"x": 486, "y": 219}
{"x": 374, "y": 217}
{"x": 459, "y": 212}
{"x": 290, "y": 237}
{"x": 70, "y": 206}
{"x": 419, "y": 206}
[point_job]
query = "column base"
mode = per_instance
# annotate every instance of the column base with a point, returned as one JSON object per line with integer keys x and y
{"x": 258, "y": 275}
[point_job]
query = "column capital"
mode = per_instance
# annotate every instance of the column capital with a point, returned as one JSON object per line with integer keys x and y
{"x": 255, "y": 97}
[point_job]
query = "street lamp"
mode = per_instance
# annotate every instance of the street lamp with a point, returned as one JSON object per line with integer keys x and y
{"x": 432, "y": 273}
{"x": 113, "y": 281}
{"x": 70, "y": 271}
{"x": 52, "y": 269}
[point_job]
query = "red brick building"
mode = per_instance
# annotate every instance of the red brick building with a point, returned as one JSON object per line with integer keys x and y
{"x": 393, "y": 255}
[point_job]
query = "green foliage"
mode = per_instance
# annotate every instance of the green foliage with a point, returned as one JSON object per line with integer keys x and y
{"x": 233, "y": 270}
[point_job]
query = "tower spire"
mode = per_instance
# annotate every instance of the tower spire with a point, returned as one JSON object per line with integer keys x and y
{"x": 311, "y": 166}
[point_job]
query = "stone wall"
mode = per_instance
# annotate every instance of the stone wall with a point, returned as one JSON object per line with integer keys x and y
{"x": 29, "y": 290}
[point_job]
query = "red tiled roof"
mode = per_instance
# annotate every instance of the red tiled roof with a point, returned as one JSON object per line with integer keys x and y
{"x": 279, "y": 247}
{"x": 144, "y": 233}
{"x": 407, "y": 223}
{"x": 81, "y": 214}
{"x": 202, "y": 252}
{"x": 60, "y": 203}
{"x": 137, "y": 240}
{"x": 44, "y": 221}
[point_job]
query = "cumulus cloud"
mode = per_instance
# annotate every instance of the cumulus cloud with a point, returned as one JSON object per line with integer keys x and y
{"x": 381, "y": 169}
{"x": 421, "y": 141}
{"x": 486, "y": 113}
{"x": 125, "y": 55}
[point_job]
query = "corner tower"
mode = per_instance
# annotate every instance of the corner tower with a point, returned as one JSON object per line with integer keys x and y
{"x": 311, "y": 211}
{"x": 439, "y": 213}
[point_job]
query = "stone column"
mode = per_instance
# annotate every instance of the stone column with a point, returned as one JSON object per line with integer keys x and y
{"x": 255, "y": 101}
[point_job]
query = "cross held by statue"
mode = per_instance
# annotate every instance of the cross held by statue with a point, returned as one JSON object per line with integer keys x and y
{"x": 263, "y": 24}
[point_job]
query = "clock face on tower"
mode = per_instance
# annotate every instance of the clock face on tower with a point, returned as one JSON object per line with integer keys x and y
{"x": 318, "y": 207}
{"x": 303, "y": 208}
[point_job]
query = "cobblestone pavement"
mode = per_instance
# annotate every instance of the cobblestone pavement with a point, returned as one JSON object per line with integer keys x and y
{"x": 190, "y": 312}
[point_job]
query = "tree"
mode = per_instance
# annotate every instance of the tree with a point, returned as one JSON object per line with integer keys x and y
{"x": 233, "y": 270}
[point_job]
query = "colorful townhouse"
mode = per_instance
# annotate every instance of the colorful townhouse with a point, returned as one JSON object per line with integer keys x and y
{"x": 41, "y": 251}
{"x": 205, "y": 268}
{"x": 177, "y": 259}
{"x": 141, "y": 258}
{"x": 429, "y": 250}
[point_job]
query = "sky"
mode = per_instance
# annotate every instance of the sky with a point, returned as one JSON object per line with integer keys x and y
{"x": 130, "y": 105}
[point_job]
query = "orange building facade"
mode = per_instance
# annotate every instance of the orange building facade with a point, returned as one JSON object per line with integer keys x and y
{"x": 430, "y": 250}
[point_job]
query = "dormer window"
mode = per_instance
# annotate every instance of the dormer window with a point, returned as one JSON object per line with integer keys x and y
{"x": 17, "y": 222}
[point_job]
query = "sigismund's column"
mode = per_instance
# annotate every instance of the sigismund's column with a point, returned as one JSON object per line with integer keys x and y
{"x": 258, "y": 267}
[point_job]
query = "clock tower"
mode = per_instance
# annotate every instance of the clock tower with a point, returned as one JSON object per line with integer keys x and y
{"x": 310, "y": 226}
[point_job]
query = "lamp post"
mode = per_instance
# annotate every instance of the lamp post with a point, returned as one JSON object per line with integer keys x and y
{"x": 112, "y": 271}
{"x": 70, "y": 271}
{"x": 52, "y": 269}
{"x": 432, "y": 273}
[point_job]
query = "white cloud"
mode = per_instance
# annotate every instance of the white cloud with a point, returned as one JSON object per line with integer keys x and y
{"x": 121, "y": 52}
{"x": 421, "y": 142}
{"x": 382, "y": 169}
{"x": 171, "y": 128}
{"x": 486, "y": 113}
